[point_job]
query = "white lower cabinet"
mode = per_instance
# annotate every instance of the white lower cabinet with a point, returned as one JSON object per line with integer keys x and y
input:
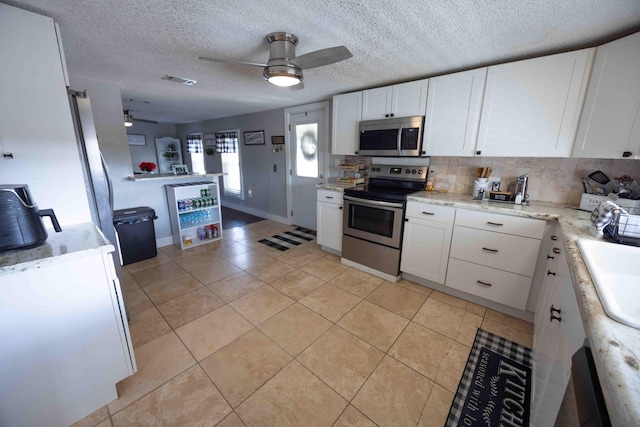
{"x": 558, "y": 335}
{"x": 65, "y": 341}
{"x": 489, "y": 283}
{"x": 426, "y": 241}
{"x": 493, "y": 256}
{"x": 330, "y": 213}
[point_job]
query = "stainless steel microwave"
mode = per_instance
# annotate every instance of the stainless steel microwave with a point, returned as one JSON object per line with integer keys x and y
{"x": 396, "y": 137}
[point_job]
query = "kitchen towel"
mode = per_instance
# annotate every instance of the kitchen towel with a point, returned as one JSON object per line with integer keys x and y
{"x": 289, "y": 239}
{"x": 495, "y": 385}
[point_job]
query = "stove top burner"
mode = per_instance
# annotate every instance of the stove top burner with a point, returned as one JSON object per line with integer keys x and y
{"x": 373, "y": 192}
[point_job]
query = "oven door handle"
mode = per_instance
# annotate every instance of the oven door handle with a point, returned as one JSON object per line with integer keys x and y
{"x": 374, "y": 202}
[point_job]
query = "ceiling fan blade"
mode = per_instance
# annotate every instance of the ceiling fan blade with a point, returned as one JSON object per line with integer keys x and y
{"x": 322, "y": 57}
{"x": 299, "y": 86}
{"x": 225, "y": 61}
{"x": 145, "y": 121}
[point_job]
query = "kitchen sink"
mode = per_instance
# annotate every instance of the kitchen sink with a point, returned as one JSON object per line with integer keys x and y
{"x": 615, "y": 271}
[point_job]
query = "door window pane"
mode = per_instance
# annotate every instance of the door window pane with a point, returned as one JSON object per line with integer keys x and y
{"x": 307, "y": 150}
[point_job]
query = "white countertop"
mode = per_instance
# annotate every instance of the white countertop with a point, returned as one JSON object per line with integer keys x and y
{"x": 74, "y": 241}
{"x": 615, "y": 347}
{"x": 335, "y": 186}
{"x": 155, "y": 176}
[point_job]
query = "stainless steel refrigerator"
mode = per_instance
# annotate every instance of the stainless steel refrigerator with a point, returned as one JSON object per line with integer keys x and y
{"x": 96, "y": 173}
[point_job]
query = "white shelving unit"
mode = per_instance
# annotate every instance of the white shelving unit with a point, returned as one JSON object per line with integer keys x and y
{"x": 185, "y": 224}
{"x": 169, "y": 153}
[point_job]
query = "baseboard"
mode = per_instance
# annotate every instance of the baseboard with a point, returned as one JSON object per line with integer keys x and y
{"x": 255, "y": 212}
{"x": 164, "y": 241}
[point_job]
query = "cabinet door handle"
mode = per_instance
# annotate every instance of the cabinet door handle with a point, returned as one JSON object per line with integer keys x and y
{"x": 340, "y": 207}
{"x": 556, "y": 250}
{"x": 328, "y": 197}
{"x": 428, "y": 213}
{"x": 490, "y": 250}
{"x": 552, "y": 314}
{"x": 554, "y": 237}
{"x": 479, "y": 282}
{"x": 550, "y": 257}
{"x": 495, "y": 223}
{"x": 627, "y": 154}
{"x": 550, "y": 273}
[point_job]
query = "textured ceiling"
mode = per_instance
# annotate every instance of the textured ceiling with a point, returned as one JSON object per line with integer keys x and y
{"x": 134, "y": 43}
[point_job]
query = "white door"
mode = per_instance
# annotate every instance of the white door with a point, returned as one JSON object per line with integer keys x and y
{"x": 307, "y": 135}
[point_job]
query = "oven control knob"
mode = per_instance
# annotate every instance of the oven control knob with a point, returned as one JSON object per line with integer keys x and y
{"x": 373, "y": 169}
{"x": 407, "y": 171}
{"x": 419, "y": 171}
{"x": 377, "y": 169}
{"x": 413, "y": 171}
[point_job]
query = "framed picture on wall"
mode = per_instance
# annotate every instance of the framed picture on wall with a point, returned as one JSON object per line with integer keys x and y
{"x": 136, "y": 140}
{"x": 209, "y": 139}
{"x": 254, "y": 137}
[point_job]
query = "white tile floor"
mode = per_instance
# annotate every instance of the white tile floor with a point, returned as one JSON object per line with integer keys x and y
{"x": 236, "y": 333}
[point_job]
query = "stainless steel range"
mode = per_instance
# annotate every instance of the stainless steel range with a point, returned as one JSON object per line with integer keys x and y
{"x": 374, "y": 215}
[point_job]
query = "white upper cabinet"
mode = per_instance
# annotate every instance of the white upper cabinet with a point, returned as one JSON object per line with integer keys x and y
{"x": 532, "y": 107}
{"x": 454, "y": 103}
{"x": 346, "y": 114}
{"x": 610, "y": 122}
{"x": 401, "y": 100}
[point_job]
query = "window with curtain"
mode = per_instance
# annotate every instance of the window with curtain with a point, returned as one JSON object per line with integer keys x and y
{"x": 227, "y": 146}
{"x": 194, "y": 148}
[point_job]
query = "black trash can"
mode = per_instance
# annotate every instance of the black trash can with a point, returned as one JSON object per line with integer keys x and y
{"x": 136, "y": 233}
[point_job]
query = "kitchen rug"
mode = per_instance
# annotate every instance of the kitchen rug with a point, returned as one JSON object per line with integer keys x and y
{"x": 289, "y": 239}
{"x": 495, "y": 388}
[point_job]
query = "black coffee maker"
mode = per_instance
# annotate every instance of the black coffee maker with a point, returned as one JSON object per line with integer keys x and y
{"x": 21, "y": 224}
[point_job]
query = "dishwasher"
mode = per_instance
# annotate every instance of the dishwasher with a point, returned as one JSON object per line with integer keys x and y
{"x": 589, "y": 400}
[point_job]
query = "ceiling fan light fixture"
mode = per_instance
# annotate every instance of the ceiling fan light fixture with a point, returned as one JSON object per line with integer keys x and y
{"x": 283, "y": 75}
{"x": 128, "y": 119}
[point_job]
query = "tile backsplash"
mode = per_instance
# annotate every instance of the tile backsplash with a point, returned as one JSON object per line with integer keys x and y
{"x": 555, "y": 180}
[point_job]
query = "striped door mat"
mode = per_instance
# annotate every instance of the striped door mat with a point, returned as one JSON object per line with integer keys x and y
{"x": 289, "y": 239}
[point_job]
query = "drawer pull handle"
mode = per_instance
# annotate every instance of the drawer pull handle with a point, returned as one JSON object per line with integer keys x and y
{"x": 556, "y": 250}
{"x": 428, "y": 213}
{"x": 553, "y": 317}
{"x": 483, "y": 283}
{"x": 329, "y": 197}
{"x": 554, "y": 237}
{"x": 550, "y": 257}
{"x": 490, "y": 250}
{"x": 552, "y": 314}
{"x": 495, "y": 223}
{"x": 550, "y": 273}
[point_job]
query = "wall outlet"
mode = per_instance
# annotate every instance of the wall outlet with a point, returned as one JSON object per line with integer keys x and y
{"x": 249, "y": 193}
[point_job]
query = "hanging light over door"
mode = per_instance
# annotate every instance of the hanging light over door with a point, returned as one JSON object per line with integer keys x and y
{"x": 128, "y": 119}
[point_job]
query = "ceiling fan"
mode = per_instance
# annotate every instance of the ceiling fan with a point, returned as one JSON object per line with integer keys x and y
{"x": 284, "y": 68}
